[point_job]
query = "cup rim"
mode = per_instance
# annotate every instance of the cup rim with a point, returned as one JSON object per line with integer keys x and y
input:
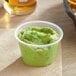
{"x": 35, "y": 45}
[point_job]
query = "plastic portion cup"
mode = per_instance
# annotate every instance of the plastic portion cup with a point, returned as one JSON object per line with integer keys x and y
{"x": 39, "y": 55}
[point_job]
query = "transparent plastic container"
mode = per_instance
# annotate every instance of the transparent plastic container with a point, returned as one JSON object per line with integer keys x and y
{"x": 19, "y": 7}
{"x": 39, "y": 55}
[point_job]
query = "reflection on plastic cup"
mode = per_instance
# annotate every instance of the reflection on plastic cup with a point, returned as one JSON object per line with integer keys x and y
{"x": 39, "y": 55}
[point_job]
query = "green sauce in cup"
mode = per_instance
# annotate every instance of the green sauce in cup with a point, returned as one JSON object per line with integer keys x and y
{"x": 36, "y": 56}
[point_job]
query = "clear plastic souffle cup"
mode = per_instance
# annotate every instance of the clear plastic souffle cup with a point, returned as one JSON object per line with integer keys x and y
{"x": 39, "y": 55}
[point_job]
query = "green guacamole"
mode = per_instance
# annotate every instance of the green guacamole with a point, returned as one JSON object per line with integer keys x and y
{"x": 36, "y": 56}
{"x": 40, "y": 36}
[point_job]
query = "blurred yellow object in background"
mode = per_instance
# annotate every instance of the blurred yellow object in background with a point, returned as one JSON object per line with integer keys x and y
{"x": 22, "y": 2}
{"x": 19, "y": 7}
{"x": 72, "y": 3}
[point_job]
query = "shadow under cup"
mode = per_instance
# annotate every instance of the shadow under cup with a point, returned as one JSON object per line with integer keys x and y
{"x": 39, "y": 55}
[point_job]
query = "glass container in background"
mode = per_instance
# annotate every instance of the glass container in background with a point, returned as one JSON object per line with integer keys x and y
{"x": 19, "y": 7}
